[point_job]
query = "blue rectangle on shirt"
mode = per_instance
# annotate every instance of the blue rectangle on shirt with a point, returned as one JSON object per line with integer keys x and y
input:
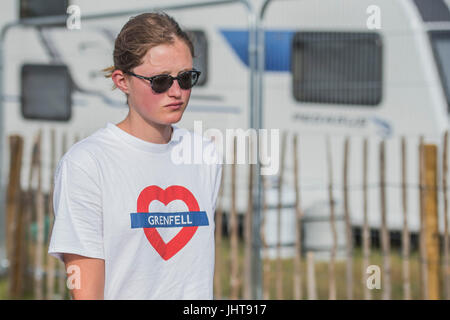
{"x": 168, "y": 219}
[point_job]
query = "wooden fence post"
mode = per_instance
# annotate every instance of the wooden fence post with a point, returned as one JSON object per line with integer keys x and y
{"x": 331, "y": 266}
{"x": 431, "y": 220}
{"x": 312, "y": 291}
{"x": 446, "y": 266}
{"x": 248, "y": 235}
{"x": 219, "y": 235}
{"x": 14, "y": 215}
{"x": 51, "y": 260}
{"x": 348, "y": 226}
{"x": 234, "y": 250}
{"x": 385, "y": 239}
{"x": 279, "y": 272}
{"x": 62, "y": 287}
{"x": 266, "y": 262}
{"x": 405, "y": 231}
{"x": 422, "y": 246}
{"x": 366, "y": 229}
{"x": 298, "y": 292}
{"x": 39, "y": 263}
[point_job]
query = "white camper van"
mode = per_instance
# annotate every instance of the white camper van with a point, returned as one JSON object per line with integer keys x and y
{"x": 359, "y": 69}
{"x": 332, "y": 68}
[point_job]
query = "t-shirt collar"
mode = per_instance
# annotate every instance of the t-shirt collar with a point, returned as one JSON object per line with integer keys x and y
{"x": 145, "y": 145}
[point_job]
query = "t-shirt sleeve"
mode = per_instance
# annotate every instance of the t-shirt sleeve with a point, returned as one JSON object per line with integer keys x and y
{"x": 77, "y": 202}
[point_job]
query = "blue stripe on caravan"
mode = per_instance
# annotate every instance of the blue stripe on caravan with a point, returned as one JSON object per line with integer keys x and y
{"x": 277, "y": 44}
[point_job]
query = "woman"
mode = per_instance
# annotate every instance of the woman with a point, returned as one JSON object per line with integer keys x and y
{"x": 130, "y": 223}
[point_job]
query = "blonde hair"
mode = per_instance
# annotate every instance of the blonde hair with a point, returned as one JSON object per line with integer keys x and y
{"x": 141, "y": 33}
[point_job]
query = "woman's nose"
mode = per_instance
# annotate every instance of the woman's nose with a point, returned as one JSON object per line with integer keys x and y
{"x": 175, "y": 90}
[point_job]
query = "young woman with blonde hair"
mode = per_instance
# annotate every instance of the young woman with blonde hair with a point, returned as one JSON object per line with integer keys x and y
{"x": 129, "y": 221}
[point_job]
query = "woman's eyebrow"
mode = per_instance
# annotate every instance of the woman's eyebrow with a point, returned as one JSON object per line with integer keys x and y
{"x": 168, "y": 72}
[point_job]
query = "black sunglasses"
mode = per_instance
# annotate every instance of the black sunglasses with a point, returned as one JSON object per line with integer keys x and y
{"x": 162, "y": 82}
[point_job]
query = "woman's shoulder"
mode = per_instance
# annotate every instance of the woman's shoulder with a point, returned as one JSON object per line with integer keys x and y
{"x": 85, "y": 151}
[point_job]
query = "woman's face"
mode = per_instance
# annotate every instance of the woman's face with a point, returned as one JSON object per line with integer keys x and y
{"x": 154, "y": 107}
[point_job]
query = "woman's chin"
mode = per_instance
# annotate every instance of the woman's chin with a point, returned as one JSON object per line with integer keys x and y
{"x": 174, "y": 117}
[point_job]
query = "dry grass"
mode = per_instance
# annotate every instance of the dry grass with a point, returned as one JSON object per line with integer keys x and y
{"x": 321, "y": 269}
{"x": 321, "y": 276}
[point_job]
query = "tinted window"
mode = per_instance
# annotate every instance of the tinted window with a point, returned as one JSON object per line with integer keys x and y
{"x": 39, "y": 8}
{"x": 201, "y": 54}
{"x": 337, "y": 68}
{"x": 46, "y": 92}
{"x": 441, "y": 45}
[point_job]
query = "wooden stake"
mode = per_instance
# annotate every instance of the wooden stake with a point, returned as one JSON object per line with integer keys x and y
{"x": 14, "y": 215}
{"x": 348, "y": 227}
{"x": 219, "y": 235}
{"x": 422, "y": 249}
{"x": 332, "y": 276}
{"x": 51, "y": 261}
{"x": 366, "y": 229}
{"x": 13, "y": 191}
{"x": 431, "y": 220}
{"x": 298, "y": 292}
{"x": 405, "y": 233}
{"x": 385, "y": 239}
{"x": 266, "y": 262}
{"x": 446, "y": 267}
{"x": 30, "y": 209}
{"x": 312, "y": 291}
{"x": 62, "y": 275}
{"x": 248, "y": 234}
{"x": 234, "y": 231}
{"x": 39, "y": 271}
{"x": 22, "y": 238}
{"x": 279, "y": 272}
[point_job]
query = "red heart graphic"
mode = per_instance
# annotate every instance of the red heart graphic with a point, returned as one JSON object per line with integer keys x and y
{"x": 150, "y": 193}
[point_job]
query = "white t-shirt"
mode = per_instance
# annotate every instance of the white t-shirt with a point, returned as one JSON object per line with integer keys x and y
{"x": 125, "y": 200}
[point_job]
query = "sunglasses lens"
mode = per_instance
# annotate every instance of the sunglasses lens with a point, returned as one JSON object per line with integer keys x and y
{"x": 161, "y": 83}
{"x": 188, "y": 79}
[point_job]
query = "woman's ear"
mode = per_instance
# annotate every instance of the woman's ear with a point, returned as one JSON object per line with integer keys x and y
{"x": 120, "y": 80}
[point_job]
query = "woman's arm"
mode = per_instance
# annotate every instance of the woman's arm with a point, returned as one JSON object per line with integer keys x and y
{"x": 91, "y": 277}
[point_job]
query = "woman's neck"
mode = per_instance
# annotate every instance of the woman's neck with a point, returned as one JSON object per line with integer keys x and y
{"x": 150, "y": 132}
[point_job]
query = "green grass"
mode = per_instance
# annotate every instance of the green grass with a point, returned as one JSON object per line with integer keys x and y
{"x": 3, "y": 289}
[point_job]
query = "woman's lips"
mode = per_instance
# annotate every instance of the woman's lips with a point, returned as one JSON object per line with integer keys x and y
{"x": 175, "y": 106}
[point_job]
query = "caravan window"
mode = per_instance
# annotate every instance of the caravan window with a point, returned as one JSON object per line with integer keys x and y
{"x": 40, "y": 8}
{"x": 201, "y": 54}
{"x": 441, "y": 45}
{"x": 337, "y": 68}
{"x": 46, "y": 92}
